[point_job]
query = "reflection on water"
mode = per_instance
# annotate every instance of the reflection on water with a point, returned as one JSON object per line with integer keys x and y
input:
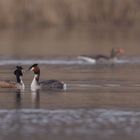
{"x": 18, "y": 99}
{"x": 101, "y": 101}
{"x": 36, "y": 98}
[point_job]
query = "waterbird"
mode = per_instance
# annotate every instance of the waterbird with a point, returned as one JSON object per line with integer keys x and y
{"x": 47, "y": 84}
{"x": 11, "y": 84}
{"x": 115, "y": 53}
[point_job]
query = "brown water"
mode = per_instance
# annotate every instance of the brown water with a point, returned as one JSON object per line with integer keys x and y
{"x": 101, "y": 101}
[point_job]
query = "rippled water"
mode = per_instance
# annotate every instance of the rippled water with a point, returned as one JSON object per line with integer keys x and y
{"x": 69, "y": 123}
{"x": 101, "y": 101}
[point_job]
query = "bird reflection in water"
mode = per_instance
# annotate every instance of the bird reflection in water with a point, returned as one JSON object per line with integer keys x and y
{"x": 18, "y": 98}
{"x": 35, "y": 98}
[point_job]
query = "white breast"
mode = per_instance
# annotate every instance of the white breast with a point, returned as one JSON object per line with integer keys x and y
{"x": 34, "y": 84}
{"x": 20, "y": 85}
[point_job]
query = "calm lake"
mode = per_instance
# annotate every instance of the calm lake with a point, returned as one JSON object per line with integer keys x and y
{"x": 101, "y": 102}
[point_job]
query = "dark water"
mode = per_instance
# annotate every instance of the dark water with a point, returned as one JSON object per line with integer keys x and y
{"x": 101, "y": 101}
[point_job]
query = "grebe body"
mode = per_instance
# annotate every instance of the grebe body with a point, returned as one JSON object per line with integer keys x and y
{"x": 47, "y": 84}
{"x": 115, "y": 53}
{"x": 19, "y": 82}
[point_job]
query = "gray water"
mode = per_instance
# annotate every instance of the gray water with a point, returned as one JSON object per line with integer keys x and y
{"x": 101, "y": 101}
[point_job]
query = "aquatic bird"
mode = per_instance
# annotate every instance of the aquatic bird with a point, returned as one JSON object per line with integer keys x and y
{"x": 47, "y": 84}
{"x": 18, "y": 84}
{"x": 115, "y": 53}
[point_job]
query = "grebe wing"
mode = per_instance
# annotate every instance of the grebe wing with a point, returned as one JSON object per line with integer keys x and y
{"x": 52, "y": 84}
{"x": 97, "y": 57}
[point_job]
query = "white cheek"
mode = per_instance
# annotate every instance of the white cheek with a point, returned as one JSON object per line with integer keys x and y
{"x": 32, "y": 68}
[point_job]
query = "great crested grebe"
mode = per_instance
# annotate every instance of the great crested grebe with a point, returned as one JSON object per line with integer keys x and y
{"x": 48, "y": 84}
{"x": 115, "y": 52}
{"x": 18, "y": 84}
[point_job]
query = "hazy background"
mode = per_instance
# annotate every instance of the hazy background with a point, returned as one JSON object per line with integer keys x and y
{"x": 40, "y": 13}
{"x": 68, "y": 27}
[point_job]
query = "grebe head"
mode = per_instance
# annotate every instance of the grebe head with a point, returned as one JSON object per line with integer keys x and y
{"x": 120, "y": 51}
{"x": 116, "y": 51}
{"x": 35, "y": 69}
{"x": 18, "y": 72}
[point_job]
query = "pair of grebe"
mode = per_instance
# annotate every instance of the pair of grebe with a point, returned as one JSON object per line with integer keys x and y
{"x": 115, "y": 53}
{"x": 36, "y": 84}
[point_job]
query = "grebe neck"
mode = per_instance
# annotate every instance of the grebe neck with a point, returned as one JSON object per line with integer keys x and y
{"x": 113, "y": 53}
{"x": 20, "y": 84}
{"x": 19, "y": 79}
{"x": 35, "y": 82}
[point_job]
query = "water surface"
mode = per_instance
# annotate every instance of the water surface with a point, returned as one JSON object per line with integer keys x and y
{"x": 101, "y": 101}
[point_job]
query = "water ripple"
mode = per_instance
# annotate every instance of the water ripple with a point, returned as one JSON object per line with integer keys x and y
{"x": 63, "y": 61}
{"x": 84, "y": 122}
